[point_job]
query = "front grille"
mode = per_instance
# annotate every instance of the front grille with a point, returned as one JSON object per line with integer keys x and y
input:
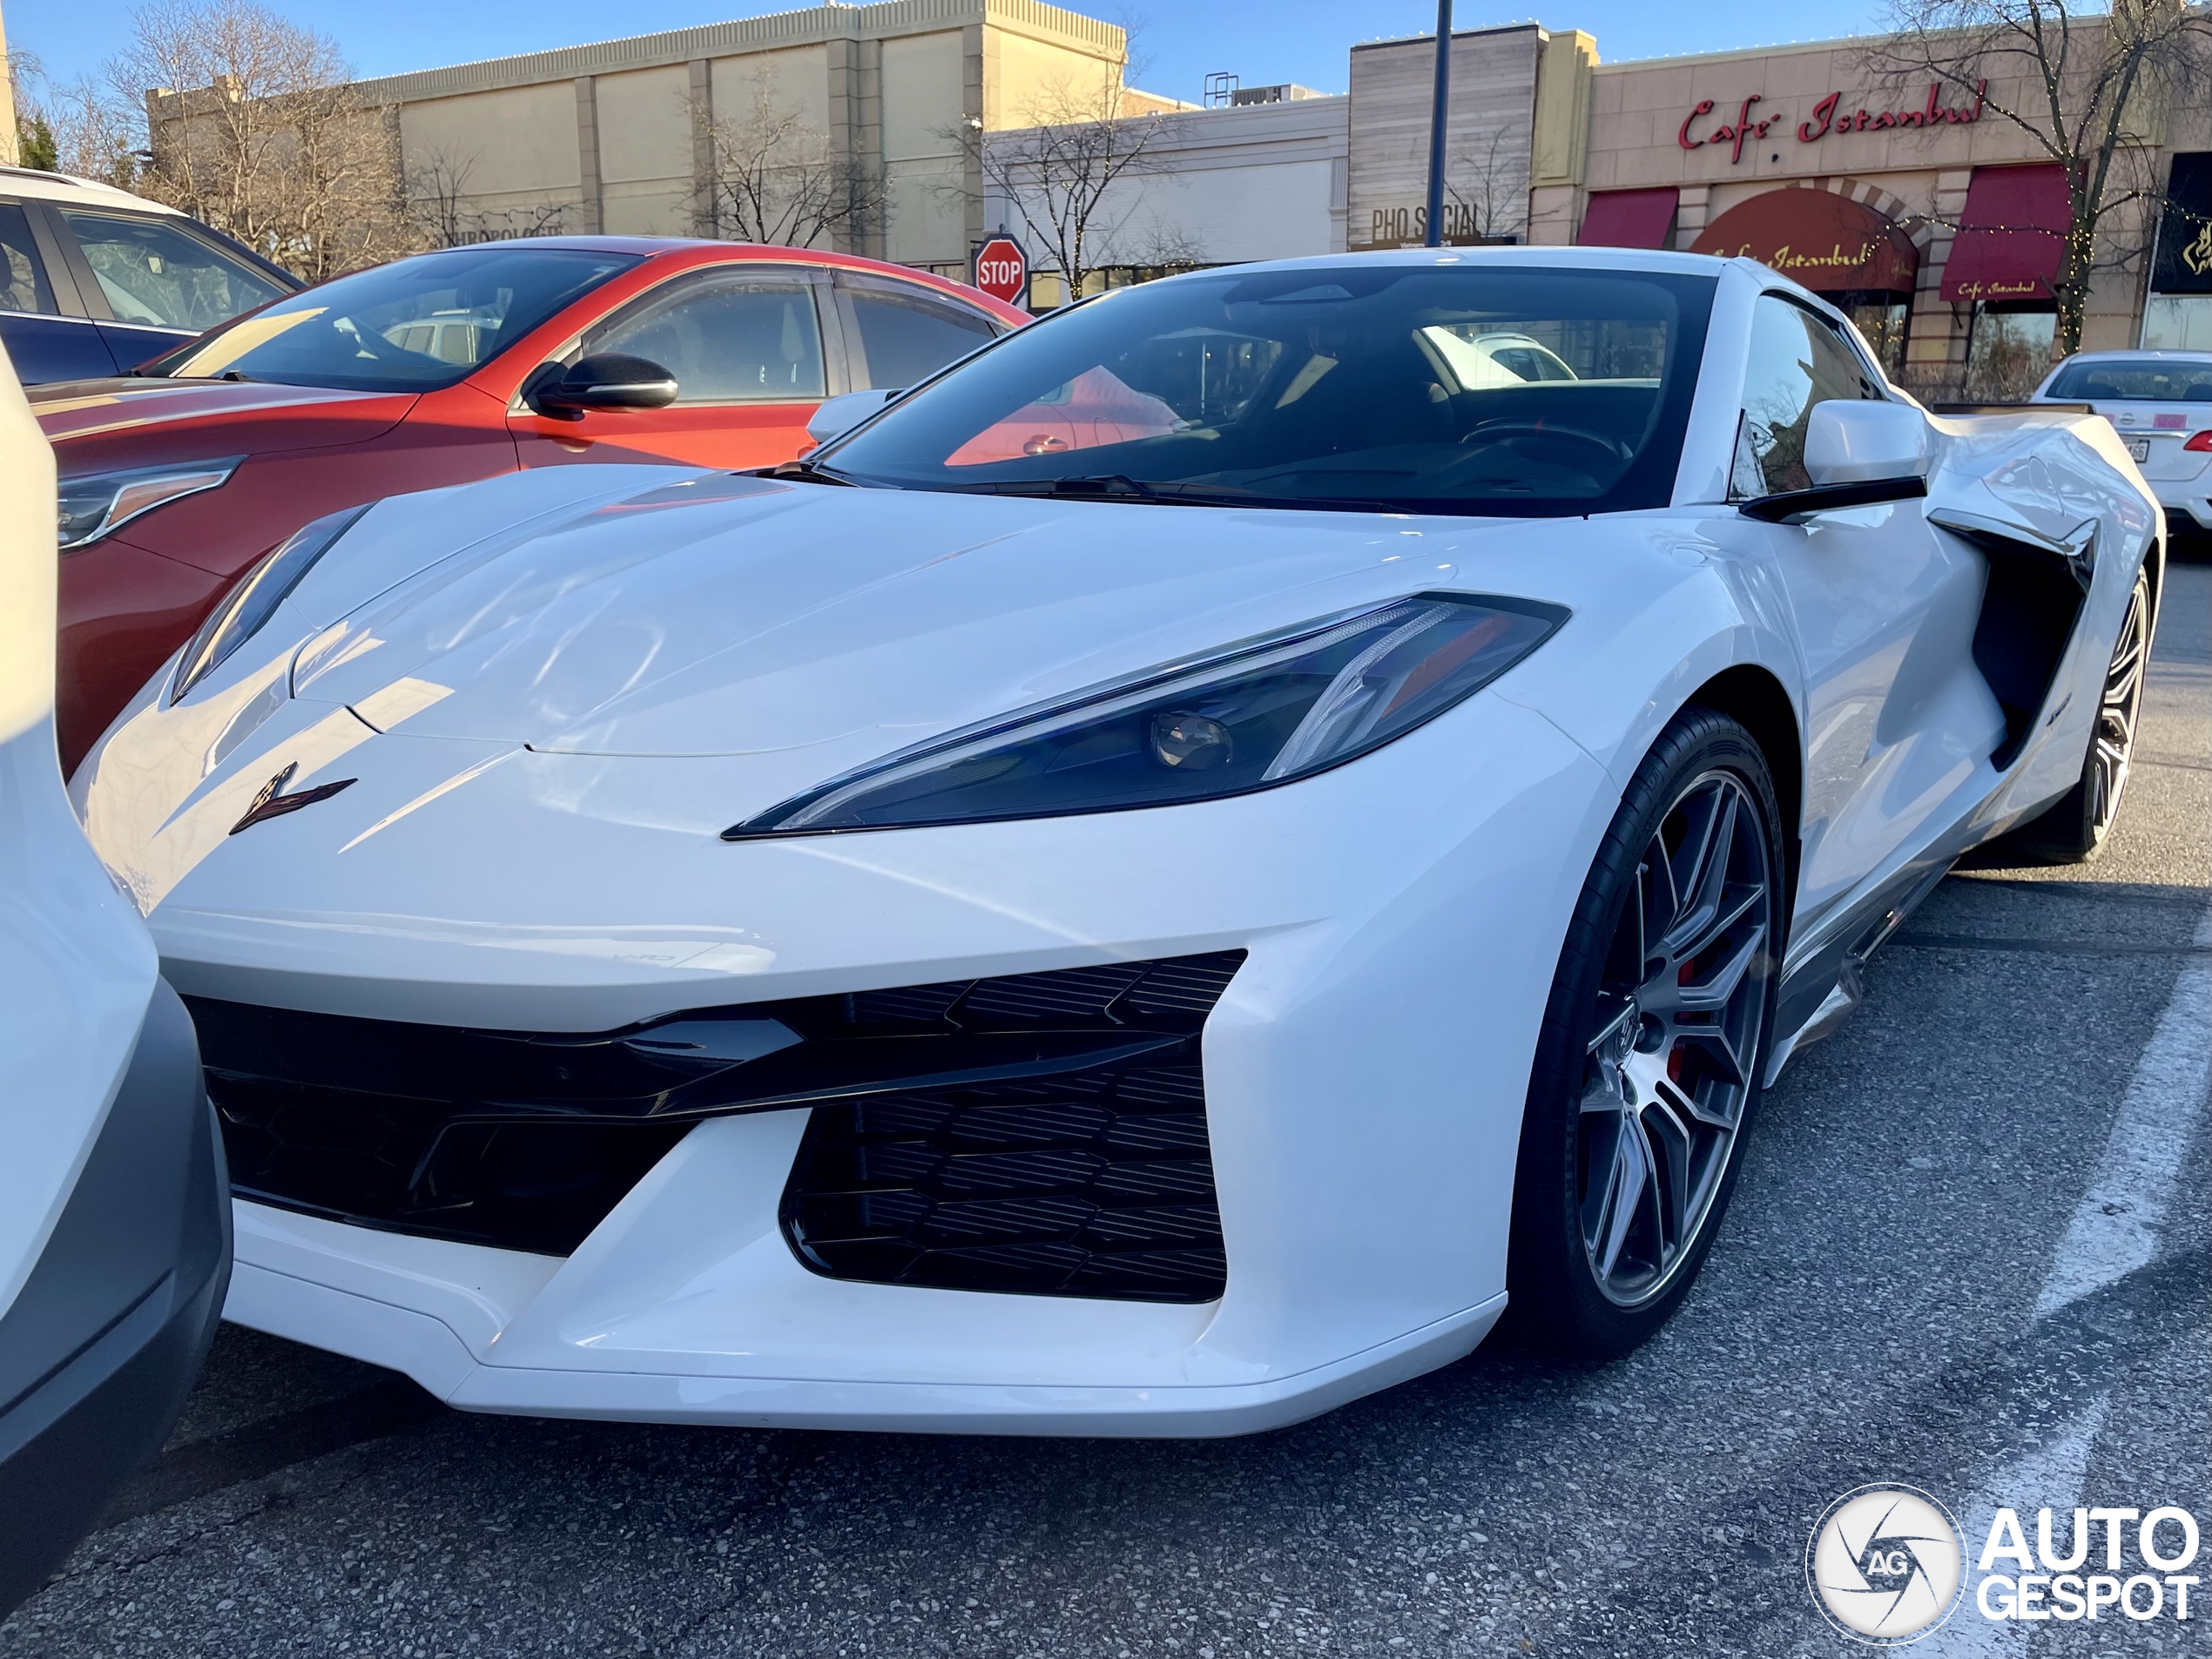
{"x": 1101, "y": 1186}
{"x": 1040, "y": 1132}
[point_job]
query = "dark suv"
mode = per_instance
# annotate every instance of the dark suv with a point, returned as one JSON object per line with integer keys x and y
{"x": 96, "y": 281}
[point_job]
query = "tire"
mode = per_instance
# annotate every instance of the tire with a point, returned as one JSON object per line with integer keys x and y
{"x": 2075, "y": 830}
{"x": 1665, "y": 1002}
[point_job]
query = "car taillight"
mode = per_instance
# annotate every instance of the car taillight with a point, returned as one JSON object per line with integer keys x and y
{"x": 2201, "y": 443}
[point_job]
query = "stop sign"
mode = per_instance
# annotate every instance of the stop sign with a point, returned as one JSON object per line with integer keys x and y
{"x": 1002, "y": 270}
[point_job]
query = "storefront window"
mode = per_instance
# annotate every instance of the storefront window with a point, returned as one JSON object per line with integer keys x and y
{"x": 2009, "y": 351}
{"x": 2178, "y": 322}
{"x": 1881, "y": 317}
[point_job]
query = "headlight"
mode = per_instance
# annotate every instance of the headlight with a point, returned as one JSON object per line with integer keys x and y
{"x": 1250, "y": 718}
{"x": 101, "y": 502}
{"x": 258, "y": 594}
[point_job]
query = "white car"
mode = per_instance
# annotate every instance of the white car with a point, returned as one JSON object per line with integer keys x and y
{"x": 1159, "y": 932}
{"x": 114, "y": 1216}
{"x": 2160, "y": 404}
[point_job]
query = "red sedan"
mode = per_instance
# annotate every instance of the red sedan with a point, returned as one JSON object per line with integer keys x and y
{"x": 442, "y": 369}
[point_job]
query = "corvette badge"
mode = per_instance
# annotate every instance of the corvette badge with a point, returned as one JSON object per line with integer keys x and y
{"x": 272, "y": 803}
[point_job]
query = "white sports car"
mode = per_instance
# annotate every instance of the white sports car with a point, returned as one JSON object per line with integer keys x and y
{"x": 1145, "y": 889}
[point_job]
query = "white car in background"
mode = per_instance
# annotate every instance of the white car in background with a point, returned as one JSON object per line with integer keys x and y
{"x": 114, "y": 1213}
{"x": 1135, "y": 926}
{"x": 2160, "y": 404}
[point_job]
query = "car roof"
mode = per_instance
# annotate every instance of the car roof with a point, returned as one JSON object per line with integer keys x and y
{"x": 68, "y": 187}
{"x": 2137, "y": 356}
{"x": 672, "y": 247}
{"x": 1547, "y": 256}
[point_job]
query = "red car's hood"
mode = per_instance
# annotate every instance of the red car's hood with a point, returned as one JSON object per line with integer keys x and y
{"x": 246, "y": 417}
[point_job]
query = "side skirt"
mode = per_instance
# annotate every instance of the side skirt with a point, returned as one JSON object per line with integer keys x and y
{"x": 1824, "y": 990}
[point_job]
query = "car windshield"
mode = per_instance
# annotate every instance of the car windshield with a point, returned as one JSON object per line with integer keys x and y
{"x": 1495, "y": 389}
{"x": 2135, "y": 380}
{"x": 412, "y": 326}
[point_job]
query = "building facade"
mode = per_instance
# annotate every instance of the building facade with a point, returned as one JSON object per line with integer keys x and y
{"x": 1934, "y": 222}
{"x": 1937, "y": 224}
{"x": 628, "y": 136}
{"x": 1261, "y": 178}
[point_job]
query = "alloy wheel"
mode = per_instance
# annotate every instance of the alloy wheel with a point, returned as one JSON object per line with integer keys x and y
{"x": 1674, "y": 1039}
{"x": 2117, "y": 711}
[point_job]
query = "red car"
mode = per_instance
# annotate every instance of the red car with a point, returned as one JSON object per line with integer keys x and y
{"x": 441, "y": 369}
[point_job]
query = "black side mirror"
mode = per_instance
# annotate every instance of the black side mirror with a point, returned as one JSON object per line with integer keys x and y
{"x": 607, "y": 380}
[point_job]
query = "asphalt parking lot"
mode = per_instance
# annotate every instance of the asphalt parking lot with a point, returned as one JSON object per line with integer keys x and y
{"x": 1969, "y": 1252}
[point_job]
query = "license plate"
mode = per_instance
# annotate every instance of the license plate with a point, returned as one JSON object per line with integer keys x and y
{"x": 2138, "y": 448}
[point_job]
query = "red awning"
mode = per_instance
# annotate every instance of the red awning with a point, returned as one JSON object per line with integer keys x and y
{"x": 2012, "y": 236}
{"x": 1631, "y": 218}
{"x": 1829, "y": 243}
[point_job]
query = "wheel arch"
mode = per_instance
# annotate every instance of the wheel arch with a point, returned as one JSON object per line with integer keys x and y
{"x": 1750, "y": 694}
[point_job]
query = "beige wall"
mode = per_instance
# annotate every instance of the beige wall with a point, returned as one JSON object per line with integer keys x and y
{"x": 506, "y": 145}
{"x": 604, "y": 131}
{"x": 796, "y": 79}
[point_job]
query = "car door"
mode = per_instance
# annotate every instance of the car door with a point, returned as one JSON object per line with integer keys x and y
{"x": 1884, "y": 611}
{"x": 743, "y": 343}
{"x": 899, "y": 333}
{"x": 37, "y": 298}
{"x": 153, "y": 280}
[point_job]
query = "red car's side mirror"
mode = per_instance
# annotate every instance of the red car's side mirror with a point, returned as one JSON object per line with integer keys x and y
{"x": 607, "y": 381}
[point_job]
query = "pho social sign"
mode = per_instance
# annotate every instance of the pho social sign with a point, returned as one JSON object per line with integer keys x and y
{"x": 1002, "y": 270}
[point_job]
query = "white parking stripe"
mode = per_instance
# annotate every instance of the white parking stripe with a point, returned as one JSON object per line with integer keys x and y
{"x": 2113, "y": 1232}
{"x": 2053, "y": 1474}
{"x": 2115, "y": 1229}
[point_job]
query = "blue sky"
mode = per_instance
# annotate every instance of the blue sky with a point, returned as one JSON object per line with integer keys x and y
{"x": 1262, "y": 40}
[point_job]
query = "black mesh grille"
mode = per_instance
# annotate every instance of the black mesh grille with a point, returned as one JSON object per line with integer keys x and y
{"x": 1099, "y": 1183}
{"x": 1037, "y": 1132}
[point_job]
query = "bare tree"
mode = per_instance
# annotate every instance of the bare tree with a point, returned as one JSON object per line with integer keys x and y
{"x": 1067, "y": 176}
{"x": 776, "y": 177}
{"x": 2082, "y": 81}
{"x": 74, "y": 129}
{"x": 438, "y": 197}
{"x": 1487, "y": 191}
{"x": 252, "y": 126}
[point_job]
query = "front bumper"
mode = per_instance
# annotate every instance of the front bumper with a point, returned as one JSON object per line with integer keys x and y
{"x": 1364, "y": 1072}
{"x": 105, "y": 1339}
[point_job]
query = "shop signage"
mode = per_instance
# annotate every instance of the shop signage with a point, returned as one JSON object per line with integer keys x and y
{"x": 1827, "y": 241}
{"x": 2184, "y": 263}
{"x": 1408, "y": 227}
{"x": 1829, "y": 118}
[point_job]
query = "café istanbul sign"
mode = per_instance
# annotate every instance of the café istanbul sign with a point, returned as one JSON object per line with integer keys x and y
{"x": 1828, "y": 118}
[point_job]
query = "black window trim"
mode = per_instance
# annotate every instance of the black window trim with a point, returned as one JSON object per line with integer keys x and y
{"x": 61, "y": 280}
{"x": 1804, "y": 500}
{"x": 1873, "y": 370}
{"x": 93, "y": 298}
{"x": 848, "y": 283}
{"x": 834, "y": 378}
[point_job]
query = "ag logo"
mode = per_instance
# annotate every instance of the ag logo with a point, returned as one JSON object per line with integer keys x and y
{"x": 1886, "y": 1564}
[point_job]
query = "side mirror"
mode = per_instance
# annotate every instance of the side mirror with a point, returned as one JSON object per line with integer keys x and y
{"x": 1859, "y": 442}
{"x": 839, "y": 416}
{"x": 607, "y": 380}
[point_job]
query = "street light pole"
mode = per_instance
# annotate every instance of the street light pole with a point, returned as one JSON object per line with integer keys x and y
{"x": 1437, "y": 123}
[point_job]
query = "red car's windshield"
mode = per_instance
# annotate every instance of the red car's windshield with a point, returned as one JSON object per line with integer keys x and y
{"x": 412, "y": 326}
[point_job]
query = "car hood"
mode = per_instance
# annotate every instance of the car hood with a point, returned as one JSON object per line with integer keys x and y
{"x": 155, "y": 417}
{"x": 720, "y": 615}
